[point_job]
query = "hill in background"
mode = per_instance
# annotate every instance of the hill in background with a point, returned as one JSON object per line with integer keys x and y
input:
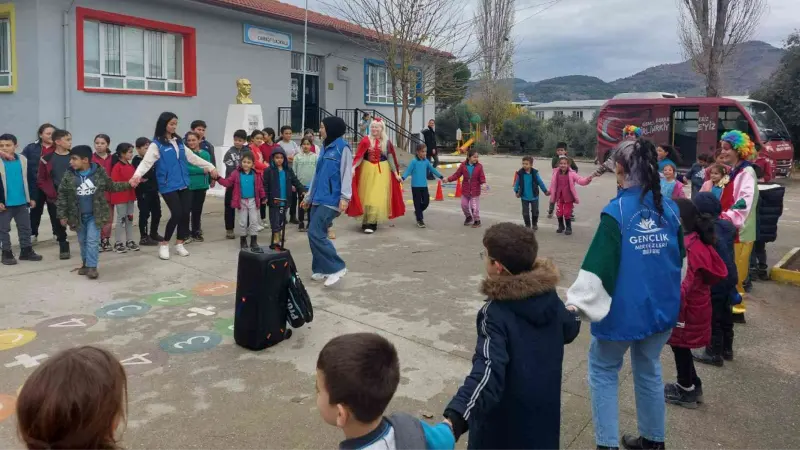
{"x": 748, "y": 67}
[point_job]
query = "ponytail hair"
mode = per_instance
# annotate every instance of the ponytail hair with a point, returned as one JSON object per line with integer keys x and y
{"x": 694, "y": 221}
{"x": 121, "y": 148}
{"x": 672, "y": 154}
{"x": 640, "y": 162}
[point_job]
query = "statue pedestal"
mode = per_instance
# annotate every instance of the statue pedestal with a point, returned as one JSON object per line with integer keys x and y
{"x": 240, "y": 117}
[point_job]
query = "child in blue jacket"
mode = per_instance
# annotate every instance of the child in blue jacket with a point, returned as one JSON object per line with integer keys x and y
{"x": 527, "y": 184}
{"x": 357, "y": 375}
{"x": 418, "y": 168}
{"x": 512, "y": 396}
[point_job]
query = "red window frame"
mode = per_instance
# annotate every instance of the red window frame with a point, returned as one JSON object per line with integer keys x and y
{"x": 189, "y": 50}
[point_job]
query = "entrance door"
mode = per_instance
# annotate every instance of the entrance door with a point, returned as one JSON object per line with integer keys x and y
{"x": 684, "y": 132}
{"x": 312, "y": 102}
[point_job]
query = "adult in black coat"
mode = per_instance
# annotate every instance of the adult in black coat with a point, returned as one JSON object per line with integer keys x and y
{"x": 512, "y": 397}
{"x": 429, "y": 135}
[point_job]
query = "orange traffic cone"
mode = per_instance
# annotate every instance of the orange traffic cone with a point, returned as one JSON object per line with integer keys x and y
{"x": 458, "y": 187}
{"x": 439, "y": 193}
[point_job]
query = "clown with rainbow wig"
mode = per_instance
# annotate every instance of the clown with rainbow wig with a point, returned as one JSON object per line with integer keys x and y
{"x": 631, "y": 132}
{"x": 739, "y": 201}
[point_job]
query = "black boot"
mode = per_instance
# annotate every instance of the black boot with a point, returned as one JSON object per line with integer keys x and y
{"x": 677, "y": 395}
{"x": 706, "y": 356}
{"x": 738, "y": 318}
{"x": 727, "y": 349}
{"x": 243, "y": 243}
{"x": 63, "y": 250}
{"x": 603, "y": 447}
{"x": 254, "y": 244}
{"x": 569, "y": 227}
{"x": 560, "y": 225}
{"x": 8, "y": 258}
{"x": 27, "y": 254}
{"x": 639, "y": 443}
{"x": 762, "y": 272}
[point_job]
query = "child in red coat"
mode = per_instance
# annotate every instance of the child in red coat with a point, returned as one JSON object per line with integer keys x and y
{"x": 472, "y": 171}
{"x": 564, "y": 194}
{"x": 693, "y": 330}
{"x": 102, "y": 156}
{"x": 122, "y": 202}
{"x": 248, "y": 194}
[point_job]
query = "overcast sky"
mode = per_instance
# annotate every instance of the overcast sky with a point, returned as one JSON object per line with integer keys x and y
{"x": 612, "y": 39}
{"x": 608, "y": 39}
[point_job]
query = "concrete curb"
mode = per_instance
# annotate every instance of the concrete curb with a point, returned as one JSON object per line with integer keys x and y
{"x": 778, "y": 273}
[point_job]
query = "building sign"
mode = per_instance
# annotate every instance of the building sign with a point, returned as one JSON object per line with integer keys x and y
{"x": 266, "y": 37}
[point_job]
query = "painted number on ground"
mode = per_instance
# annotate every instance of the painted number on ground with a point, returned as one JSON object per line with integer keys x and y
{"x": 224, "y": 326}
{"x": 7, "y": 406}
{"x": 67, "y": 323}
{"x": 215, "y": 289}
{"x": 191, "y": 342}
{"x": 15, "y": 338}
{"x": 168, "y": 298}
{"x": 142, "y": 361}
{"x": 122, "y": 310}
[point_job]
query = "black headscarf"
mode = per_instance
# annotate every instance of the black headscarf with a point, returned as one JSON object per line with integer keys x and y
{"x": 334, "y": 129}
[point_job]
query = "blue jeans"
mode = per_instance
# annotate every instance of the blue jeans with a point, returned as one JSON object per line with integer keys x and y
{"x": 89, "y": 240}
{"x": 324, "y": 259}
{"x": 605, "y": 361}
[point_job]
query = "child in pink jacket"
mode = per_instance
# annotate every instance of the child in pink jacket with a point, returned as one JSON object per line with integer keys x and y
{"x": 472, "y": 171}
{"x": 564, "y": 194}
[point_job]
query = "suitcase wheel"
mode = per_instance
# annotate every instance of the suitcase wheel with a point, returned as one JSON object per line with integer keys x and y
{"x": 288, "y": 334}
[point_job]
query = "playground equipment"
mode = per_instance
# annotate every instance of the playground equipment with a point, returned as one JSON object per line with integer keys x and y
{"x": 474, "y": 135}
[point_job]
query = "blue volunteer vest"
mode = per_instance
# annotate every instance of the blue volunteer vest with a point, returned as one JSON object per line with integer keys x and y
{"x": 172, "y": 168}
{"x": 647, "y": 295}
{"x": 327, "y": 189}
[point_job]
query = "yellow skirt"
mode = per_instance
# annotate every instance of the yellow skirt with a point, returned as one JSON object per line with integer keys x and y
{"x": 374, "y": 192}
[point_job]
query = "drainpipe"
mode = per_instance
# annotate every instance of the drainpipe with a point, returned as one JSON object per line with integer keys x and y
{"x": 340, "y": 75}
{"x": 67, "y": 106}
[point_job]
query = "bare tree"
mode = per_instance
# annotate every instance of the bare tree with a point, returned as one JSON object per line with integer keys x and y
{"x": 413, "y": 37}
{"x": 493, "y": 21}
{"x": 710, "y": 30}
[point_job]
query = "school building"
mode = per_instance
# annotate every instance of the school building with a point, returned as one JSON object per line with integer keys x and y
{"x": 112, "y": 66}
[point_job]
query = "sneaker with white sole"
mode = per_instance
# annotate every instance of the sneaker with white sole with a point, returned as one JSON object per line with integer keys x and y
{"x": 335, "y": 277}
{"x": 259, "y": 228}
{"x": 318, "y": 276}
{"x": 181, "y": 250}
{"x": 163, "y": 251}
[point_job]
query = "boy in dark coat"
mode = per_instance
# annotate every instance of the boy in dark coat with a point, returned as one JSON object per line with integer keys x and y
{"x": 512, "y": 397}
{"x": 279, "y": 179}
{"x": 721, "y": 347}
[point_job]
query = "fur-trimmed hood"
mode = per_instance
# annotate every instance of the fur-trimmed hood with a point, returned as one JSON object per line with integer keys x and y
{"x": 528, "y": 294}
{"x": 543, "y": 278}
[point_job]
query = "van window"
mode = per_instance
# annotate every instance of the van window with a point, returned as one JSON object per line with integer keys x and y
{"x": 730, "y": 118}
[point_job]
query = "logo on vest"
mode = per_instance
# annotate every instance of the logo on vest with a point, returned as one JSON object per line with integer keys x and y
{"x": 646, "y": 236}
{"x": 86, "y": 188}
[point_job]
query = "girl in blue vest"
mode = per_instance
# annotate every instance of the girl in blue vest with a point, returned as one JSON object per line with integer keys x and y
{"x": 171, "y": 160}
{"x": 639, "y": 235}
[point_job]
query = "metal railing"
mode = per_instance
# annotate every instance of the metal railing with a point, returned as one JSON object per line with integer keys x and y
{"x": 313, "y": 119}
{"x": 402, "y": 138}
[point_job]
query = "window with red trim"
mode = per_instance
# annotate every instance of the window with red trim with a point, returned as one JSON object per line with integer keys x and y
{"x": 130, "y": 55}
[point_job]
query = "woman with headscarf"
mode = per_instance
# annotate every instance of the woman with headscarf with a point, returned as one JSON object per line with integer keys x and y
{"x": 739, "y": 201}
{"x": 328, "y": 196}
{"x": 629, "y": 287}
{"x": 377, "y": 194}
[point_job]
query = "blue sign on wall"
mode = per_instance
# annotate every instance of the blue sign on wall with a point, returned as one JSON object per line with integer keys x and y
{"x": 267, "y": 37}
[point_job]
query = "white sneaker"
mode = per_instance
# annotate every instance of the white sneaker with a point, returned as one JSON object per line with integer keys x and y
{"x": 260, "y": 228}
{"x": 318, "y": 276}
{"x": 334, "y": 278}
{"x": 163, "y": 251}
{"x": 181, "y": 250}
{"x": 34, "y": 240}
{"x": 369, "y": 230}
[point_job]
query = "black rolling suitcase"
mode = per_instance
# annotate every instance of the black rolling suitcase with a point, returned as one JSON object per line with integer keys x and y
{"x": 261, "y": 298}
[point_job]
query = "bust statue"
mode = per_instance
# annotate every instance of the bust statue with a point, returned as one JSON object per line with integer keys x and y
{"x": 244, "y": 89}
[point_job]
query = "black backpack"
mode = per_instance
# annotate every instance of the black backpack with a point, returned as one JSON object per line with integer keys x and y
{"x": 299, "y": 308}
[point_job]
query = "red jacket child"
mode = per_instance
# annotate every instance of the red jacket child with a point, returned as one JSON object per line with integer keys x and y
{"x": 234, "y": 180}
{"x": 258, "y": 156}
{"x": 704, "y": 269}
{"x": 122, "y": 171}
{"x": 106, "y": 164}
{"x": 471, "y": 186}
